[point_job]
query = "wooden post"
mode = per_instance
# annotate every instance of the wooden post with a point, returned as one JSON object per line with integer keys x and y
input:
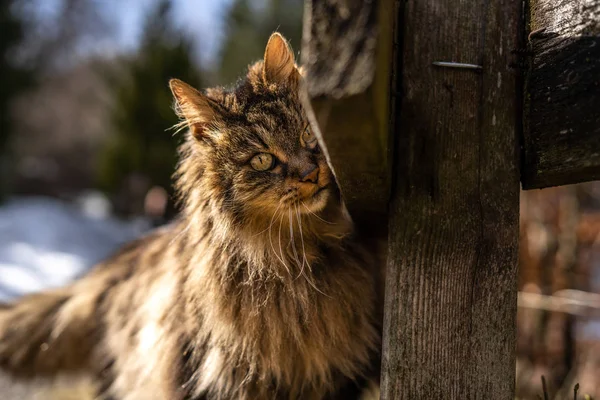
{"x": 347, "y": 56}
{"x": 562, "y": 114}
{"x": 449, "y": 327}
{"x": 450, "y": 305}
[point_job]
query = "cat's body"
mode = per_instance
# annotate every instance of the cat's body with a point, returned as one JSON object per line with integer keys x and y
{"x": 261, "y": 290}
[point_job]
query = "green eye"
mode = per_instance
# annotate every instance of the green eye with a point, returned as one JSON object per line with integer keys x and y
{"x": 308, "y": 138}
{"x": 262, "y": 162}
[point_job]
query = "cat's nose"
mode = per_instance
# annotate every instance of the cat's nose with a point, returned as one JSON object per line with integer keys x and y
{"x": 310, "y": 174}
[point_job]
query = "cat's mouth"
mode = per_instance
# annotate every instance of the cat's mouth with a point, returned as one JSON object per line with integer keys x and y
{"x": 322, "y": 191}
{"x": 317, "y": 201}
{"x": 307, "y": 198}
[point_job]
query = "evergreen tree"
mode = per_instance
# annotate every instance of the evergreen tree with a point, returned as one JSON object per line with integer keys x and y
{"x": 142, "y": 111}
{"x": 13, "y": 80}
{"x": 248, "y": 28}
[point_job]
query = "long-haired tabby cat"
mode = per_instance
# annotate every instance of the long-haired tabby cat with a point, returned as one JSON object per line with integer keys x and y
{"x": 261, "y": 290}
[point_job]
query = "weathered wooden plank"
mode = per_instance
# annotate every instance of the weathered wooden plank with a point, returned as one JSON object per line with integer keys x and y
{"x": 346, "y": 54}
{"x": 449, "y": 327}
{"x": 562, "y": 121}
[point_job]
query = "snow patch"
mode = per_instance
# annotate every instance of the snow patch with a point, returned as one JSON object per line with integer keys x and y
{"x": 46, "y": 243}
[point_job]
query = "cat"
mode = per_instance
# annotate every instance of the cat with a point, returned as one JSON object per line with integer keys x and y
{"x": 262, "y": 289}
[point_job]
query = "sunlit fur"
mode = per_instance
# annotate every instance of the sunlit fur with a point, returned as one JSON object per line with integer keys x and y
{"x": 261, "y": 290}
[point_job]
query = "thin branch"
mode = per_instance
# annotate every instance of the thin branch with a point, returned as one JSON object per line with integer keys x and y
{"x": 575, "y": 302}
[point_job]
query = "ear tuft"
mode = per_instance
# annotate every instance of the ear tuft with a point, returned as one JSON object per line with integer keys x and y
{"x": 196, "y": 110}
{"x": 278, "y": 63}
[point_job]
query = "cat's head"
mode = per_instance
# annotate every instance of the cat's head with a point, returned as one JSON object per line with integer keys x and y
{"x": 251, "y": 148}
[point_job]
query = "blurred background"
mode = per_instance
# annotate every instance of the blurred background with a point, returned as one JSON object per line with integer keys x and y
{"x": 86, "y": 159}
{"x": 86, "y": 154}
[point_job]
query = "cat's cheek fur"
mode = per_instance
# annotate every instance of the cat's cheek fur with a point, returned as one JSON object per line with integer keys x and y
{"x": 257, "y": 192}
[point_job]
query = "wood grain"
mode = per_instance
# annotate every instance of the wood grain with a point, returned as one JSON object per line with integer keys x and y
{"x": 562, "y": 121}
{"x": 450, "y": 307}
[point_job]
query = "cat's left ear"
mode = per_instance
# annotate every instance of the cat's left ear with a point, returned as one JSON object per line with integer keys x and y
{"x": 198, "y": 111}
{"x": 278, "y": 63}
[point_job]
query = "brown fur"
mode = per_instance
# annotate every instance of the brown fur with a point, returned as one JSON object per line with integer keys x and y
{"x": 261, "y": 290}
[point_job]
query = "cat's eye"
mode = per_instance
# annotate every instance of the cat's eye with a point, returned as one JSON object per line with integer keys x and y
{"x": 308, "y": 138}
{"x": 262, "y": 162}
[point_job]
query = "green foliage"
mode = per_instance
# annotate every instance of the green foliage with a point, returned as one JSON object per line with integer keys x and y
{"x": 142, "y": 105}
{"x": 248, "y": 29}
{"x": 13, "y": 78}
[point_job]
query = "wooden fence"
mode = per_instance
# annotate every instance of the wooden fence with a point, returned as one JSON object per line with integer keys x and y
{"x": 432, "y": 113}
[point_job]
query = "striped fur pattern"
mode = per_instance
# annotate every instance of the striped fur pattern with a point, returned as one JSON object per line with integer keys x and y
{"x": 261, "y": 290}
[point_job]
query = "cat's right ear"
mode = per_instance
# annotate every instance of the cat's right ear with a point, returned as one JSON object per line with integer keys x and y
{"x": 279, "y": 67}
{"x": 196, "y": 110}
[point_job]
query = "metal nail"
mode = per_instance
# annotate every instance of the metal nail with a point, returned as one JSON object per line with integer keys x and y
{"x": 457, "y": 65}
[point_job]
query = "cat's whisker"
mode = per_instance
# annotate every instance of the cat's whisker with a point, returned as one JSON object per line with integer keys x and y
{"x": 302, "y": 273}
{"x": 271, "y": 239}
{"x": 304, "y": 259}
{"x": 311, "y": 283}
{"x": 315, "y": 215}
{"x": 178, "y": 127}
{"x": 292, "y": 241}
{"x": 279, "y": 235}
{"x": 261, "y": 232}
{"x": 184, "y": 230}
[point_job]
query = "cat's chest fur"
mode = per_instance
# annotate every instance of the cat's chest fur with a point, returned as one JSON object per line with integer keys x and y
{"x": 295, "y": 334}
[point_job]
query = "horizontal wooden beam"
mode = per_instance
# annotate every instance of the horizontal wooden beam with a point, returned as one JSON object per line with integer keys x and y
{"x": 562, "y": 101}
{"x": 346, "y": 54}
